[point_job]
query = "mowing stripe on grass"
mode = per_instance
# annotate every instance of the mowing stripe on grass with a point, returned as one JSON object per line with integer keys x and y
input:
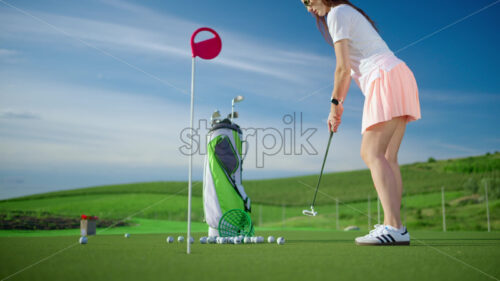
{"x": 420, "y": 241}
{"x": 72, "y": 245}
{"x": 458, "y": 260}
{"x": 42, "y": 260}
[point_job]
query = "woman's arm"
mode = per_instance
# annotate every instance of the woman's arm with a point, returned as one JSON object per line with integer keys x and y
{"x": 341, "y": 83}
{"x": 342, "y": 70}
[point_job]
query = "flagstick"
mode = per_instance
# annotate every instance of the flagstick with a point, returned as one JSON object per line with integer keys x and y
{"x": 190, "y": 162}
{"x": 208, "y": 49}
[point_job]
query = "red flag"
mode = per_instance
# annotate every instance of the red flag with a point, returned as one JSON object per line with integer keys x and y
{"x": 207, "y": 49}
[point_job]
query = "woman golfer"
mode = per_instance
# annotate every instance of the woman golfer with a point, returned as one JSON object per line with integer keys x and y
{"x": 391, "y": 101}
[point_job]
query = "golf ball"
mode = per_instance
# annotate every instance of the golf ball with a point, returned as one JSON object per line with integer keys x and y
{"x": 180, "y": 239}
{"x": 203, "y": 240}
{"x": 259, "y": 239}
{"x": 191, "y": 240}
{"x": 247, "y": 240}
{"x": 127, "y": 235}
{"x": 280, "y": 240}
{"x": 237, "y": 240}
{"x": 223, "y": 240}
{"x": 253, "y": 239}
{"x": 271, "y": 239}
{"x": 170, "y": 239}
{"x": 211, "y": 239}
{"x": 230, "y": 240}
{"x": 83, "y": 240}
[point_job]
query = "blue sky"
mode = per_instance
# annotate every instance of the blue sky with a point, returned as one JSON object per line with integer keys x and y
{"x": 94, "y": 92}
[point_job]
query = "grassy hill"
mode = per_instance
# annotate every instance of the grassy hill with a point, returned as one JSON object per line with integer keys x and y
{"x": 294, "y": 191}
{"x": 279, "y": 202}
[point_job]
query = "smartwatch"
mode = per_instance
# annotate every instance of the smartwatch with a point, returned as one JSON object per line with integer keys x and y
{"x": 336, "y": 101}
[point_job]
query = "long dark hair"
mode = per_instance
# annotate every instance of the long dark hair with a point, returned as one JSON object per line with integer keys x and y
{"x": 321, "y": 21}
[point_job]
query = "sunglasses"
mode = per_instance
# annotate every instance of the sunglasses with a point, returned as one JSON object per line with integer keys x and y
{"x": 307, "y": 3}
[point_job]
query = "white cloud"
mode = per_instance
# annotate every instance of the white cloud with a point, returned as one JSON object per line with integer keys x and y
{"x": 87, "y": 125}
{"x": 10, "y": 56}
{"x": 171, "y": 40}
{"x": 459, "y": 148}
{"x": 13, "y": 114}
{"x": 458, "y": 97}
{"x": 8, "y": 53}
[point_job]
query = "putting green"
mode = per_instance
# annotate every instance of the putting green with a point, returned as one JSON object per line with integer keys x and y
{"x": 307, "y": 255}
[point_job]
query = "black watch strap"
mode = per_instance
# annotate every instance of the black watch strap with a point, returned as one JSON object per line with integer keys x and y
{"x": 335, "y": 101}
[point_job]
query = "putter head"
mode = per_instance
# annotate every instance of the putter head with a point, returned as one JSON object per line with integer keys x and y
{"x": 310, "y": 213}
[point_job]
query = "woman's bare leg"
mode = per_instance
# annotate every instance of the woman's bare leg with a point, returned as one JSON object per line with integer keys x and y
{"x": 392, "y": 156}
{"x": 386, "y": 178}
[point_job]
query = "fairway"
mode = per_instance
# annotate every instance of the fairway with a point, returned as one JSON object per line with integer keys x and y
{"x": 307, "y": 255}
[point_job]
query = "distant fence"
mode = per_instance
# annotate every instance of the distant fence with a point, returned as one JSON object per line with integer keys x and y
{"x": 287, "y": 216}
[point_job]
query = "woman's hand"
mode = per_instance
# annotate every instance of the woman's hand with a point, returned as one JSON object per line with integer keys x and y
{"x": 335, "y": 117}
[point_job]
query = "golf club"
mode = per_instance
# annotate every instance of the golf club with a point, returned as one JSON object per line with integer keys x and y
{"x": 215, "y": 117}
{"x": 233, "y": 115}
{"x": 311, "y": 212}
{"x": 235, "y": 100}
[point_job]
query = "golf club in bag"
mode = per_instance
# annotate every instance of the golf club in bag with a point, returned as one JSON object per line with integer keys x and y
{"x": 311, "y": 212}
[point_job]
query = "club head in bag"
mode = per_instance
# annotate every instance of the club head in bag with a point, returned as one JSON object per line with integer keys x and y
{"x": 310, "y": 213}
{"x": 234, "y": 115}
{"x": 237, "y": 99}
{"x": 233, "y": 101}
{"x": 216, "y": 114}
{"x": 215, "y": 117}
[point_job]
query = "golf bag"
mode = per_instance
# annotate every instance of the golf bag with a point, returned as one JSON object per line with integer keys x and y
{"x": 222, "y": 188}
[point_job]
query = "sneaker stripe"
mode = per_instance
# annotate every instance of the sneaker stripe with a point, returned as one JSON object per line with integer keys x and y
{"x": 380, "y": 239}
{"x": 392, "y": 238}
{"x": 385, "y": 238}
{"x": 406, "y": 231}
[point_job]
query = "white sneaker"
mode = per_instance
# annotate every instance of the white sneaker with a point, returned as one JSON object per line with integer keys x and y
{"x": 385, "y": 235}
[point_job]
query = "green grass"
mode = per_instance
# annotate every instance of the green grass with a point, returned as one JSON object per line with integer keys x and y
{"x": 112, "y": 206}
{"x": 279, "y": 202}
{"x": 420, "y": 211}
{"x": 347, "y": 186}
{"x": 316, "y": 252}
{"x": 307, "y": 255}
{"x": 138, "y": 226}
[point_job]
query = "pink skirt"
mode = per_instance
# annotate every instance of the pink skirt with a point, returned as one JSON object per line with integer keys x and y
{"x": 393, "y": 94}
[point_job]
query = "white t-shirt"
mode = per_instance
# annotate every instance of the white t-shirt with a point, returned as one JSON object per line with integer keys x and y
{"x": 368, "y": 52}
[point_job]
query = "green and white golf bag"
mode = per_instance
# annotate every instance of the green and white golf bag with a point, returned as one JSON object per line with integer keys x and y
{"x": 222, "y": 188}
